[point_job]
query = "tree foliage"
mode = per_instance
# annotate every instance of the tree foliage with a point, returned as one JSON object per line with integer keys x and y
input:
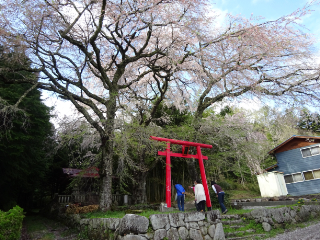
{"x": 108, "y": 57}
{"x": 23, "y": 152}
{"x": 309, "y": 121}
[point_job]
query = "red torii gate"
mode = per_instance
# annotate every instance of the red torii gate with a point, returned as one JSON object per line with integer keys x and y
{"x": 185, "y": 149}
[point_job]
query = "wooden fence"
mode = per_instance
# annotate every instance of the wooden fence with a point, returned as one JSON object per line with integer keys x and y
{"x": 92, "y": 199}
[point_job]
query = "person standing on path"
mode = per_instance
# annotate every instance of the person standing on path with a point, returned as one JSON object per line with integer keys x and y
{"x": 200, "y": 196}
{"x": 220, "y": 194}
{"x": 180, "y": 196}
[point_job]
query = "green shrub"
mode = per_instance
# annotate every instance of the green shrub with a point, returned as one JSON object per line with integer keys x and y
{"x": 11, "y": 223}
{"x": 225, "y": 185}
{"x": 215, "y": 203}
{"x": 253, "y": 187}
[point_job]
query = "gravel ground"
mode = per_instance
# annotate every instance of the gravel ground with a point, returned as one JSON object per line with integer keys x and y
{"x": 311, "y": 232}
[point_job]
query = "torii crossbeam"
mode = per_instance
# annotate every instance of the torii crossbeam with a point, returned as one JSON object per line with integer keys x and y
{"x": 185, "y": 149}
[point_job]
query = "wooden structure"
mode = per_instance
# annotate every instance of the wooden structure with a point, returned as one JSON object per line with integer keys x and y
{"x": 299, "y": 159}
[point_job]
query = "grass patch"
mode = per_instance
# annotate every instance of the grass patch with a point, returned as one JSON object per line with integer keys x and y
{"x": 241, "y": 194}
{"x": 233, "y": 211}
{"x": 121, "y": 214}
{"x": 107, "y": 214}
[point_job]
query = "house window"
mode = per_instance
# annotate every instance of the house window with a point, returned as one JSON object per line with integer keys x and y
{"x": 295, "y": 177}
{"x": 316, "y": 173}
{"x": 308, "y": 175}
{"x": 305, "y": 176}
{"x": 312, "y": 174}
{"x": 308, "y": 152}
{"x": 288, "y": 179}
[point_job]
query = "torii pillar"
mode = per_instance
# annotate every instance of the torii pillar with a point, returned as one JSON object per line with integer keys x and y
{"x": 185, "y": 149}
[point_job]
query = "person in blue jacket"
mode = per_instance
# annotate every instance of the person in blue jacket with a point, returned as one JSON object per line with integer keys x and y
{"x": 180, "y": 196}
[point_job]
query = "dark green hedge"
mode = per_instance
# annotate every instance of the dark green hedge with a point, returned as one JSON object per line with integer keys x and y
{"x": 11, "y": 223}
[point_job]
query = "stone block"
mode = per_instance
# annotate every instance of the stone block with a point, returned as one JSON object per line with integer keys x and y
{"x": 212, "y": 230}
{"x": 173, "y": 234}
{"x": 176, "y": 219}
{"x": 219, "y": 233}
{"x": 194, "y": 217}
{"x": 183, "y": 233}
{"x": 203, "y": 230}
{"x": 194, "y": 225}
{"x": 195, "y": 234}
{"x": 293, "y": 214}
{"x": 147, "y": 235}
{"x": 213, "y": 216}
{"x": 84, "y": 221}
{"x": 207, "y": 237}
{"x": 111, "y": 223}
{"x": 160, "y": 234}
{"x": 132, "y": 223}
{"x": 188, "y": 226}
{"x": 258, "y": 213}
{"x": 266, "y": 227}
{"x": 93, "y": 223}
{"x": 303, "y": 213}
{"x": 267, "y": 220}
{"x": 167, "y": 227}
{"x": 159, "y": 221}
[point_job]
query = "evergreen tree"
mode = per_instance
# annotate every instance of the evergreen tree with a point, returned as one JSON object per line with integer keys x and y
{"x": 23, "y": 155}
{"x": 309, "y": 121}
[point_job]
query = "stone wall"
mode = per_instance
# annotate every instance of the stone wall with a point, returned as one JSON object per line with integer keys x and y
{"x": 173, "y": 226}
{"x": 277, "y": 217}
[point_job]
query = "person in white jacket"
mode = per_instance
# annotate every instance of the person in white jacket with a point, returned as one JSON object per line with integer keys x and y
{"x": 200, "y": 196}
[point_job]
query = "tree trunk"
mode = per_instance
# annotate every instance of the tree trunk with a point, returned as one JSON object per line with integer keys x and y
{"x": 192, "y": 169}
{"x": 106, "y": 166}
{"x": 139, "y": 189}
{"x": 106, "y": 181}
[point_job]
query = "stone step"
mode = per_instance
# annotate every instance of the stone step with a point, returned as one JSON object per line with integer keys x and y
{"x": 236, "y": 226}
{"x": 230, "y": 234}
{"x": 230, "y": 222}
{"x": 236, "y": 216}
{"x": 248, "y": 237}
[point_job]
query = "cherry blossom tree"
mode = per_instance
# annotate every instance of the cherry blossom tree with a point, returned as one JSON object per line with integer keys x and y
{"x": 249, "y": 58}
{"x": 100, "y": 54}
{"x": 113, "y": 56}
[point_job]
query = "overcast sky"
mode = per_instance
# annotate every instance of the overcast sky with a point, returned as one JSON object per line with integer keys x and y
{"x": 269, "y": 9}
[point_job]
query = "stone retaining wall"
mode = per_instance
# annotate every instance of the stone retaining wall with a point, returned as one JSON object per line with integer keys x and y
{"x": 276, "y": 217}
{"x": 173, "y": 226}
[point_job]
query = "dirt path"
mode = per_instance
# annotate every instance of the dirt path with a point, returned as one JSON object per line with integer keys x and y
{"x": 37, "y": 227}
